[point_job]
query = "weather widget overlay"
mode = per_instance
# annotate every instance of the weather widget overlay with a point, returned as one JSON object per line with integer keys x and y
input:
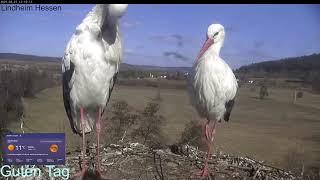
{"x": 34, "y": 149}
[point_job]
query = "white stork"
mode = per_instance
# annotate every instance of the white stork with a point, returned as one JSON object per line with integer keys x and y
{"x": 90, "y": 66}
{"x": 212, "y": 86}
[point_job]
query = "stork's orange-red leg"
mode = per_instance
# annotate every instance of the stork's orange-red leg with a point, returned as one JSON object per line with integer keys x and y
{"x": 98, "y": 131}
{"x": 83, "y": 165}
{"x": 210, "y": 129}
{"x": 83, "y": 134}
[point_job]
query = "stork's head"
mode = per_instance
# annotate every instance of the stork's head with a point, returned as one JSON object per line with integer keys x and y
{"x": 215, "y": 35}
{"x": 116, "y": 11}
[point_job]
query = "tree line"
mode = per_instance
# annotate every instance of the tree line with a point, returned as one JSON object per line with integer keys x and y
{"x": 304, "y": 68}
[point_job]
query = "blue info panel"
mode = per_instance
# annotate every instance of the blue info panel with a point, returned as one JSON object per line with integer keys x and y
{"x": 34, "y": 149}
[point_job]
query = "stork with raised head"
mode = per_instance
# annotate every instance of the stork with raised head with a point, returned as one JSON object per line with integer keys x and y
{"x": 90, "y": 66}
{"x": 212, "y": 86}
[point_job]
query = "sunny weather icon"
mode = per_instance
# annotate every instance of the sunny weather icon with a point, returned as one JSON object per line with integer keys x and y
{"x": 11, "y": 147}
{"x": 54, "y": 148}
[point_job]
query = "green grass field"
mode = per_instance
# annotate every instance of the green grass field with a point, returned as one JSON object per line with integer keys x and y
{"x": 263, "y": 129}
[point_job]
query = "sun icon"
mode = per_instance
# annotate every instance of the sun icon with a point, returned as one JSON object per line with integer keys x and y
{"x": 11, "y": 147}
{"x": 54, "y": 148}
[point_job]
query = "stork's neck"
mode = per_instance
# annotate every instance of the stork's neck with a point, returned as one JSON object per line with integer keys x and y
{"x": 215, "y": 48}
{"x": 98, "y": 15}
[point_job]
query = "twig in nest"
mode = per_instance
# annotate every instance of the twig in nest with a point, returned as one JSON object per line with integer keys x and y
{"x": 160, "y": 174}
{"x": 123, "y": 136}
{"x": 265, "y": 165}
{"x": 240, "y": 167}
{"x": 161, "y": 167}
{"x": 223, "y": 172}
{"x": 254, "y": 177}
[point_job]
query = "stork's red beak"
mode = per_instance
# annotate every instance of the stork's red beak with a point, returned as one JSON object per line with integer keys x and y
{"x": 205, "y": 47}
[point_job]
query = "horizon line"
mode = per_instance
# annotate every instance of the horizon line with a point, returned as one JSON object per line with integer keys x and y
{"x": 44, "y": 56}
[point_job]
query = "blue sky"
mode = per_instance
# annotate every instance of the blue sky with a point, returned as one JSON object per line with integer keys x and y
{"x": 172, "y": 35}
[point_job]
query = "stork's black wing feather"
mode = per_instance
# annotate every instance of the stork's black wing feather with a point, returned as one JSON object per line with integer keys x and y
{"x": 66, "y": 77}
{"x": 114, "y": 79}
{"x": 229, "y": 106}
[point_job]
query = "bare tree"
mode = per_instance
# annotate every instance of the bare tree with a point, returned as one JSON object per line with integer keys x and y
{"x": 263, "y": 91}
{"x": 192, "y": 134}
{"x": 121, "y": 120}
{"x": 158, "y": 97}
{"x": 149, "y": 129}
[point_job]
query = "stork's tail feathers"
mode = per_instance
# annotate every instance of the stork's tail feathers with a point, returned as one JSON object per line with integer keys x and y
{"x": 229, "y": 106}
{"x": 226, "y": 116}
{"x": 89, "y": 121}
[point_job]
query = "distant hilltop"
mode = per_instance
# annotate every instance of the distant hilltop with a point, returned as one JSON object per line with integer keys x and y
{"x": 293, "y": 67}
{"x": 123, "y": 67}
{"x": 302, "y": 67}
{"x": 24, "y": 57}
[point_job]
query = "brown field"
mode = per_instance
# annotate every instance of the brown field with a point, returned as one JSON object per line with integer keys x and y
{"x": 263, "y": 129}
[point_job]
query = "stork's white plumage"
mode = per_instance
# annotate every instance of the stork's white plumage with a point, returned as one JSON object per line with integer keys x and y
{"x": 212, "y": 85}
{"x": 90, "y": 66}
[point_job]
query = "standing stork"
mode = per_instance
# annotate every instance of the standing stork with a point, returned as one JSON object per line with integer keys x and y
{"x": 90, "y": 66}
{"x": 212, "y": 86}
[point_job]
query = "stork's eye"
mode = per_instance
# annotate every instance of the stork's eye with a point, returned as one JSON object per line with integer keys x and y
{"x": 216, "y": 33}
